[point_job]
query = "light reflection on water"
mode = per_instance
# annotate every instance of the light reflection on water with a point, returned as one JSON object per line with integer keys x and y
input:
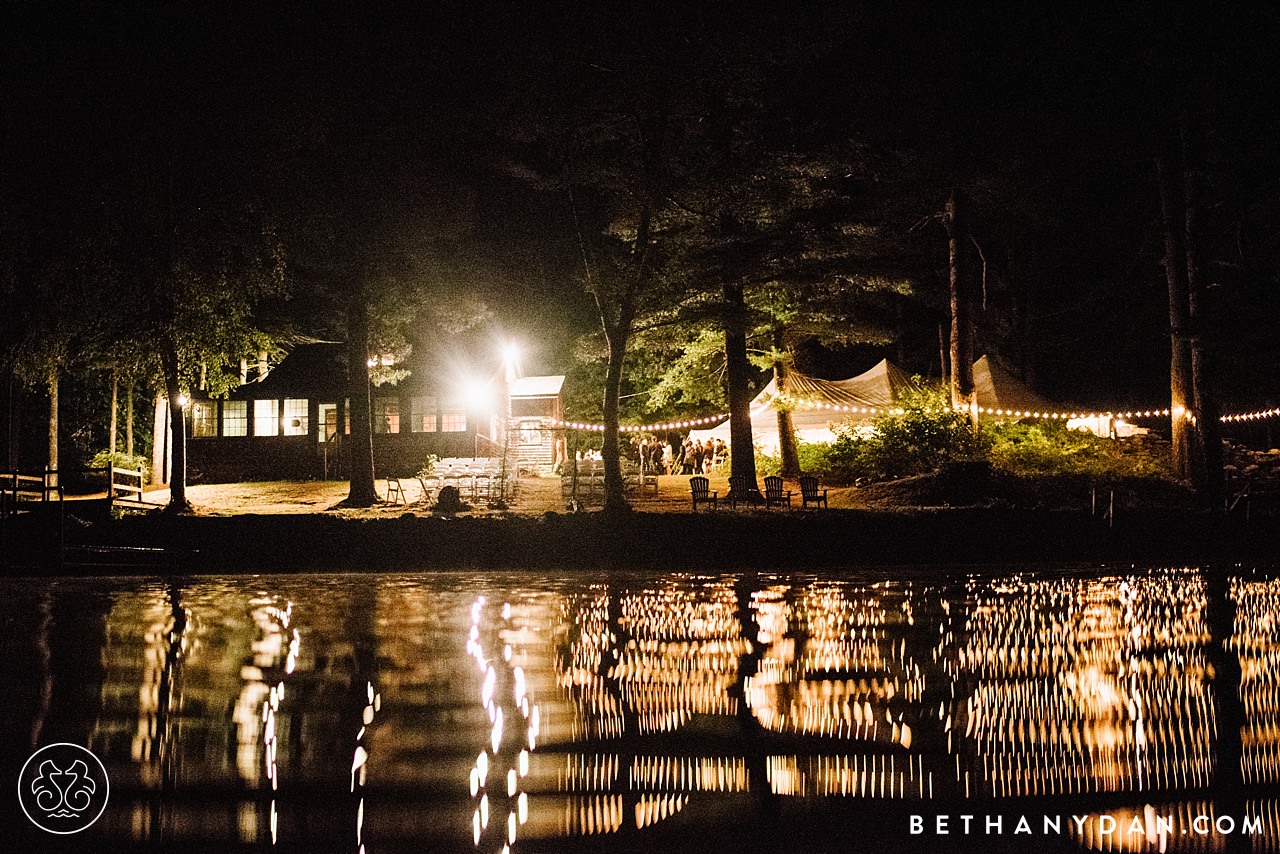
{"x": 505, "y": 712}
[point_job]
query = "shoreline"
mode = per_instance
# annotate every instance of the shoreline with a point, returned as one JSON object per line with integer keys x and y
{"x": 159, "y": 544}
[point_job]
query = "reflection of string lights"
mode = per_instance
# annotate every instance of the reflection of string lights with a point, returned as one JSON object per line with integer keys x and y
{"x": 1257, "y": 643}
{"x": 1087, "y": 686}
{"x": 505, "y": 788}
{"x": 257, "y": 710}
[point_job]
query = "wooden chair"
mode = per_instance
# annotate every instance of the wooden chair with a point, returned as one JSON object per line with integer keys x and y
{"x": 700, "y": 489}
{"x": 426, "y": 490}
{"x": 774, "y": 492}
{"x": 742, "y": 489}
{"x": 809, "y": 492}
{"x": 395, "y": 492}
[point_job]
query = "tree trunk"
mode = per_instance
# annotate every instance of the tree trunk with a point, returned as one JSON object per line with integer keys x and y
{"x": 788, "y": 448}
{"x": 53, "y": 420}
{"x": 615, "y": 498}
{"x": 128, "y": 419}
{"x": 159, "y": 440}
{"x": 956, "y": 220}
{"x": 177, "y": 431}
{"x": 1181, "y": 411}
{"x": 361, "y": 492}
{"x": 742, "y": 452}
{"x": 115, "y": 412}
{"x": 1207, "y": 471}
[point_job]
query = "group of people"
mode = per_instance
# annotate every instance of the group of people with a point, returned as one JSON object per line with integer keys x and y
{"x": 689, "y": 457}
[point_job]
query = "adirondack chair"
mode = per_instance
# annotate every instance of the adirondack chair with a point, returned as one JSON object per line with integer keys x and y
{"x": 741, "y": 489}
{"x": 809, "y": 492}
{"x": 700, "y": 489}
{"x": 774, "y": 493}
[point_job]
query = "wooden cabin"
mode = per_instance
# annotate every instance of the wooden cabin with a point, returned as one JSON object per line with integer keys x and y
{"x": 294, "y": 423}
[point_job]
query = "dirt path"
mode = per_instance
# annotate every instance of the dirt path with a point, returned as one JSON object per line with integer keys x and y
{"x": 534, "y": 497}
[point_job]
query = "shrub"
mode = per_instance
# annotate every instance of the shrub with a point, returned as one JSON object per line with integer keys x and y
{"x": 123, "y": 461}
{"x": 919, "y": 436}
{"x": 1049, "y": 448}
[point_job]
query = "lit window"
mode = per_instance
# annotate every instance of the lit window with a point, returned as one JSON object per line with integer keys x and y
{"x": 204, "y": 420}
{"x": 266, "y": 418}
{"x": 454, "y": 417}
{"x": 235, "y": 418}
{"x": 295, "y": 417}
{"x": 422, "y": 414}
{"x": 386, "y": 415}
{"x": 328, "y": 422}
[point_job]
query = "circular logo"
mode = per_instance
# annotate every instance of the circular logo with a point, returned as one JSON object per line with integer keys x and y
{"x": 63, "y": 788}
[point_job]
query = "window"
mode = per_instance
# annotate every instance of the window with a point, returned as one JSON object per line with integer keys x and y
{"x": 266, "y": 418}
{"x": 422, "y": 414}
{"x": 530, "y": 434}
{"x": 235, "y": 418}
{"x": 454, "y": 417}
{"x": 328, "y": 422}
{"x": 386, "y": 415}
{"x": 204, "y": 419}
{"x": 296, "y": 421}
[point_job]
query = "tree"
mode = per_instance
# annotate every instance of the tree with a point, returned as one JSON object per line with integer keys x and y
{"x": 616, "y": 116}
{"x": 57, "y": 307}
{"x": 370, "y": 214}
{"x": 803, "y": 246}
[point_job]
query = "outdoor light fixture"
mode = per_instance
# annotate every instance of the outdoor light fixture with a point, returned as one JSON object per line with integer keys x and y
{"x": 183, "y": 400}
{"x": 477, "y": 395}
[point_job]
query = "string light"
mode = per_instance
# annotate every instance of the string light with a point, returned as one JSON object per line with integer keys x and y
{"x": 999, "y": 412}
{"x": 642, "y": 428}
{"x": 1259, "y": 415}
{"x": 1131, "y": 414}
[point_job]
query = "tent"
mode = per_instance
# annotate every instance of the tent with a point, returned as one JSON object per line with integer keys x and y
{"x": 998, "y": 389}
{"x": 829, "y": 402}
{"x": 826, "y": 402}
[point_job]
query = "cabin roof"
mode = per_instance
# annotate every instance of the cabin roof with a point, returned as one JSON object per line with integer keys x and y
{"x": 548, "y": 386}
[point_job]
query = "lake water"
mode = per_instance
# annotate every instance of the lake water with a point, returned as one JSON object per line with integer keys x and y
{"x": 1061, "y": 709}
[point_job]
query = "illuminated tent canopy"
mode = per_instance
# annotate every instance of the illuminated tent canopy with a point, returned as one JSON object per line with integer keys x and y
{"x": 818, "y": 404}
{"x": 996, "y": 388}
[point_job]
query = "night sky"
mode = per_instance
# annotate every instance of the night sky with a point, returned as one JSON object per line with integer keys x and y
{"x": 1050, "y": 115}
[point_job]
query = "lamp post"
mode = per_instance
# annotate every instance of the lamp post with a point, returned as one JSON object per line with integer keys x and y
{"x": 510, "y": 357}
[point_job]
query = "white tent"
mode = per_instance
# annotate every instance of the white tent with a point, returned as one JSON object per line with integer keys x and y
{"x": 825, "y": 402}
{"x": 828, "y": 402}
{"x": 999, "y": 390}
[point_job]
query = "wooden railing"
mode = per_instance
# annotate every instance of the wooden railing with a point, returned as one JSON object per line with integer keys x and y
{"x": 125, "y": 488}
{"x": 18, "y": 489}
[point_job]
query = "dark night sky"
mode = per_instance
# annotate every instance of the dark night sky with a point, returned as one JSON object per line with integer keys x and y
{"x": 1069, "y": 96}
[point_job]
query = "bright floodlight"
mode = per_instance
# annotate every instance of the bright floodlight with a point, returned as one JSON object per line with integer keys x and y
{"x": 477, "y": 394}
{"x": 510, "y": 353}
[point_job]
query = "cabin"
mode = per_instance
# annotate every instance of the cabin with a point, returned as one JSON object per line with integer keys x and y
{"x": 294, "y": 423}
{"x": 537, "y": 407}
